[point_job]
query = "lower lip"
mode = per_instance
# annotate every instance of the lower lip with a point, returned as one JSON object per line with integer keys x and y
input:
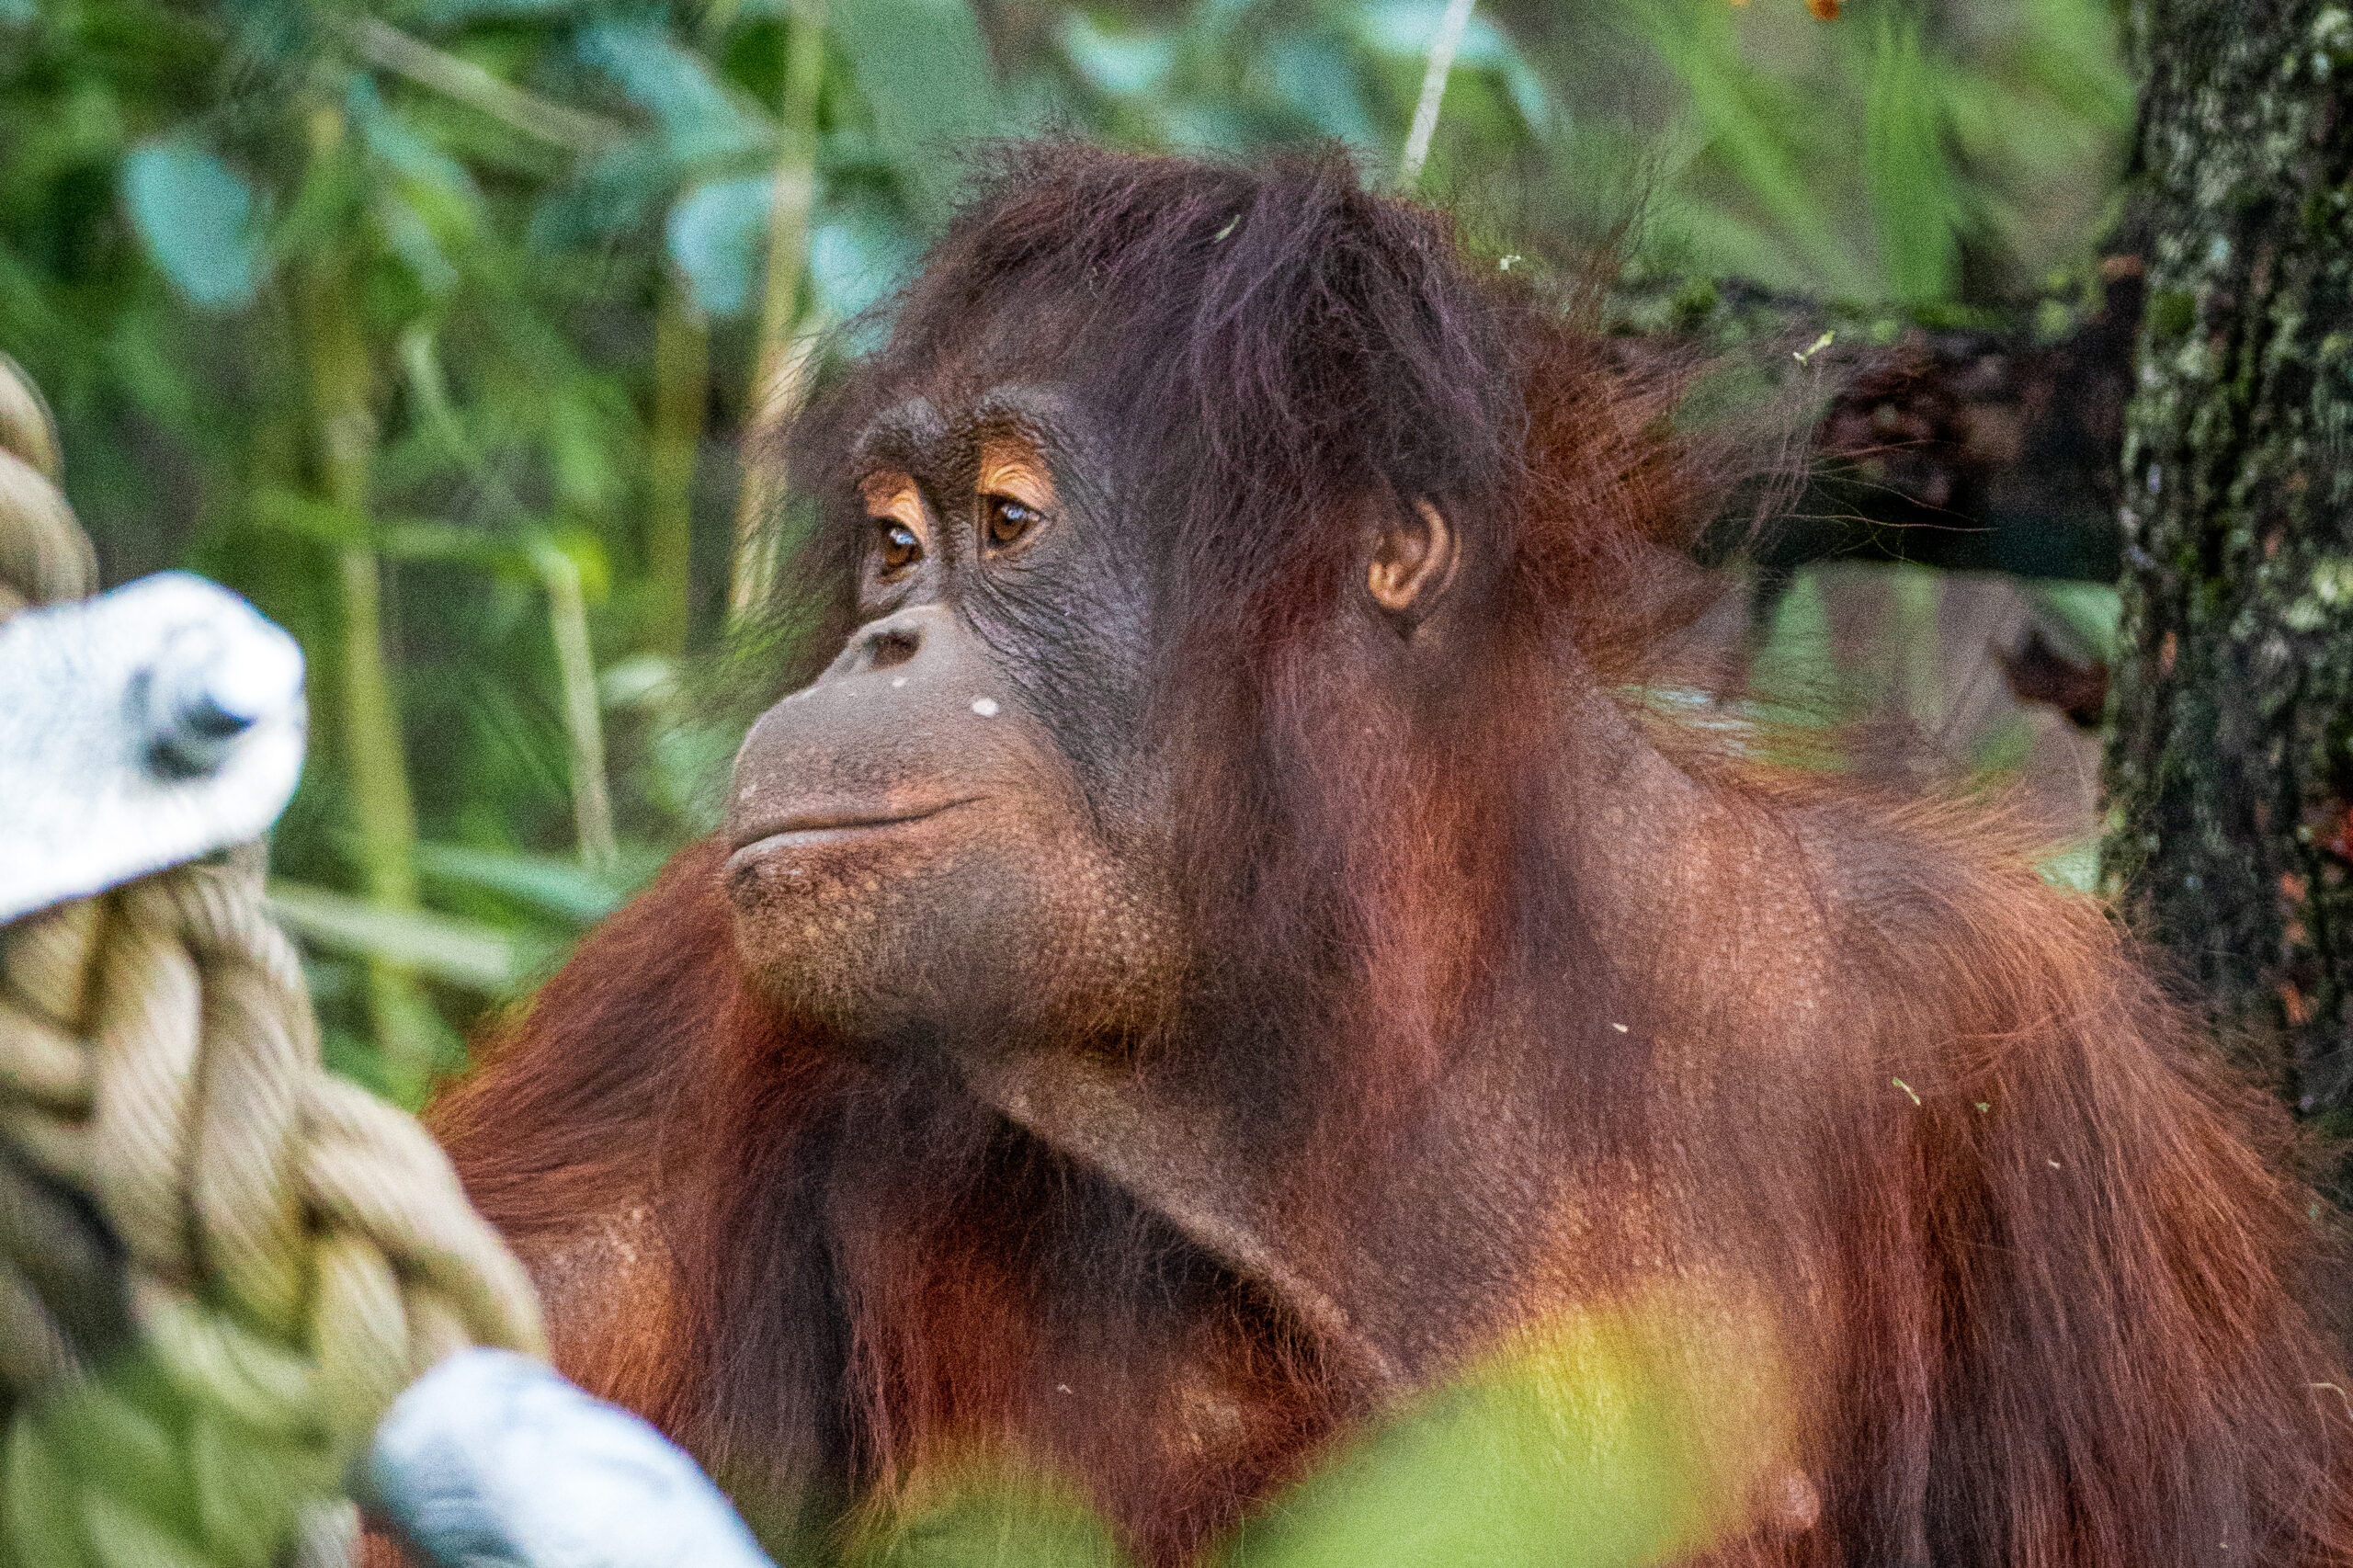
{"x": 818, "y": 836}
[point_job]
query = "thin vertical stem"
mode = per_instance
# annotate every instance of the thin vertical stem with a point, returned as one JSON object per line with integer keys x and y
{"x": 384, "y": 813}
{"x": 341, "y": 374}
{"x": 1448, "y": 38}
{"x": 759, "y": 548}
{"x": 796, "y": 180}
{"x": 681, "y": 377}
{"x": 584, "y": 726}
{"x": 780, "y": 374}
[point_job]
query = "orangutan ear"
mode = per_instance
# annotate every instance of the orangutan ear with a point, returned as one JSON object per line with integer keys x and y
{"x": 1414, "y": 555}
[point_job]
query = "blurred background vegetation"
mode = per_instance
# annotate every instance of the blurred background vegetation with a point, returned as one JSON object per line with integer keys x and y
{"x": 431, "y": 326}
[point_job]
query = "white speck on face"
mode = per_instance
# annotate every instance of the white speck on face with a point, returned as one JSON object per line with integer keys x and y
{"x": 984, "y": 705}
{"x": 1619, "y": 1028}
{"x": 897, "y": 682}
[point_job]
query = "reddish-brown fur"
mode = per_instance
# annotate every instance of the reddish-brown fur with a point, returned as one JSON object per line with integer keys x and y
{"x": 2035, "y": 1306}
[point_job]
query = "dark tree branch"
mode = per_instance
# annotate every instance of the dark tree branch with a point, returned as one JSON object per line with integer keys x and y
{"x": 1986, "y": 446}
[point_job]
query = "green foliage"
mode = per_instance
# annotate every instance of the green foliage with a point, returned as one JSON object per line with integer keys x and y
{"x": 458, "y": 217}
{"x": 140, "y": 1467}
{"x": 1913, "y": 185}
{"x": 1912, "y": 152}
{"x": 1591, "y": 1445}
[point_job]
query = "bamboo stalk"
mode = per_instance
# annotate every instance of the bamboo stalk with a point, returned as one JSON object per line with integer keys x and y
{"x": 780, "y": 375}
{"x": 681, "y": 377}
{"x": 1443, "y": 43}
{"x": 384, "y": 813}
{"x": 584, "y": 725}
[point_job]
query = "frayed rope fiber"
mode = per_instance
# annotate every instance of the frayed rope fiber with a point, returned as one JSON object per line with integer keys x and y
{"x": 218, "y": 1263}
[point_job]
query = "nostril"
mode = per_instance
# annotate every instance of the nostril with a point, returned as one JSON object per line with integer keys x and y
{"x": 886, "y": 648}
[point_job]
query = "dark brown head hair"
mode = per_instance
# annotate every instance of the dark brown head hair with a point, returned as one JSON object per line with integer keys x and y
{"x": 1269, "y": 344}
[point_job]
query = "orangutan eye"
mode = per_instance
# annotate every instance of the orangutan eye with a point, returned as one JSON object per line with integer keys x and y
{"x": 1008, "y": 518}
{"x": 901, "y": 548}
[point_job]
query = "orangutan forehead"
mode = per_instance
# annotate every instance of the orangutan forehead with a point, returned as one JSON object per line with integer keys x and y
{"x": 933, "y": 434}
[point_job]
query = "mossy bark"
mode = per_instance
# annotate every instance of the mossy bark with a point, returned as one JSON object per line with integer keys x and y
{"x": 2230, "y": 765}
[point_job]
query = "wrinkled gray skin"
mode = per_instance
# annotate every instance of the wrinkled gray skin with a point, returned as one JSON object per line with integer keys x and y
{"x": 961, "y": 828}
{"x": 955, "y": 828}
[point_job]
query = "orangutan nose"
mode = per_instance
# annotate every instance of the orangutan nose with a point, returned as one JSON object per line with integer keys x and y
{"x": 912, "y": 717}
{"x": 887, "y": 643}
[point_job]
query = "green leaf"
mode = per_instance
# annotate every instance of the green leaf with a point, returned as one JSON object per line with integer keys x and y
{"x": 464, "y": 953}
{"x": 586, "y": 554}
{"x": 201, "y": 222}
{"x": 1402, "y": 29}
{"x": 2075, "y": 868}
{"x": 565, "y": 889}
{"x": 429, "y": 210}
{"x": 1405, "y": 27}
{"x": 412, "y": 239}
{"x": 314, "y": 519}
{"x": 1590, "y": 1457}
{"x": 1588, "y": 1452}
{"x": 1745, "y": 123}
{"x": 454, "y": 13}
{"x": 409, "y": 155}
{"x": 695, "y": 112}
{"x": 924, "y": 67}
{"x": 122, "y": 1536}
{"x": 701, "y": 129}
{"x": 715, "y": 234}
{"x": 616, "y": 190}
{"x": 429, "y": 538}
{"x": 1014, "y": 1519}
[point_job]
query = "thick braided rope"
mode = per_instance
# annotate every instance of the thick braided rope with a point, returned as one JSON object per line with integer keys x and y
{"x": 218, "y": 1263}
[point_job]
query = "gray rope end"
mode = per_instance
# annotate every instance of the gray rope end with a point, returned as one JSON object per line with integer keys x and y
{"x": 492, "y": 1460}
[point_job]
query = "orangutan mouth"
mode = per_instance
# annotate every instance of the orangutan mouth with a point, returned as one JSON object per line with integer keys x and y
{"x": 829, "y": 825}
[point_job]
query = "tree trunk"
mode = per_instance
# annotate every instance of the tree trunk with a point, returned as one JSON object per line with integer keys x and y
{"x": 2229, "y": 771}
